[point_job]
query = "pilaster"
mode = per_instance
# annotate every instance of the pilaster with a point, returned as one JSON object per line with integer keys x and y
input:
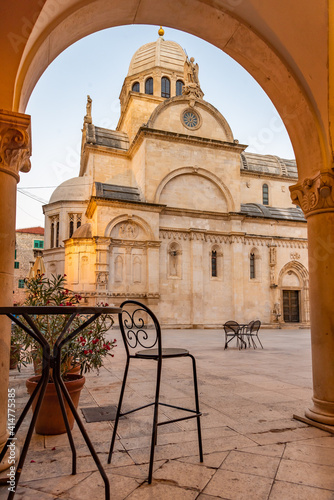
{"x": 15, "y": 150}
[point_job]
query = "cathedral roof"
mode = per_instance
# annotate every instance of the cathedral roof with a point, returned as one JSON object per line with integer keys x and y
{"x": 113, "y": 192}
{"x": 258, "y": 210}
{"x": 111, "y": 138}
{"x": 163, "y": 53}
{"x": 268, "y": 164}
{"x": 84, "y": 231}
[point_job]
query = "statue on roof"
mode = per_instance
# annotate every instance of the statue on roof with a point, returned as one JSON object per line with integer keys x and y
{"x": 191, "y": 71}
{"x": 191, "y": 87}
{"x": 88, "y": 117}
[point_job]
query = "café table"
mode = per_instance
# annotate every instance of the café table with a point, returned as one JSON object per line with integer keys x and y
{"x": 52, "y": 359}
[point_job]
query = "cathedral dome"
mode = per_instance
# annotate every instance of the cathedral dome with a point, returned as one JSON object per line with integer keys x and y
{"x": 71, "y": 190}
{"x": 163, "y": 53}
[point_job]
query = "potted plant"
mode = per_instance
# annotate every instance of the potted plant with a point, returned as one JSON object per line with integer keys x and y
{"x": 86, "y": 351}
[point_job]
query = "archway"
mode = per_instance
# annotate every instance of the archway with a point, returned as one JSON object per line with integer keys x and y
{"x": 288, "y": 54}
{"x": 59, "y": 27}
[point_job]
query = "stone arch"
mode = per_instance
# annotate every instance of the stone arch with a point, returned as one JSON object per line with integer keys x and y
{"x": 201, "y": 172}
{"x": 251, "y": 40}
{"x": 302, "y": 286}
{"x": 131, "y": 219}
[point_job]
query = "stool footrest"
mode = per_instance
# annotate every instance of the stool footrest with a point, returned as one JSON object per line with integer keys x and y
{"x": 179, "y": 419}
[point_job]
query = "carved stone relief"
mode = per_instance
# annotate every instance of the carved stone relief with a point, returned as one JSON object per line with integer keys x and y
{"x": 314, "y": 194}
{"x": 128, "y": 230}
{"x": 15, "y": 143}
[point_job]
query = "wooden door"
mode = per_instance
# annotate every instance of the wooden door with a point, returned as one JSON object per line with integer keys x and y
{"x": 291, "y": 306}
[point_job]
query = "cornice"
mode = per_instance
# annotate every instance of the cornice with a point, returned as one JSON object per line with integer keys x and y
{"x": 230, "y": 238}
{"x": 185, "y": 139}
{"x": 94, "y": 202}
{"x": 260, "y": 175}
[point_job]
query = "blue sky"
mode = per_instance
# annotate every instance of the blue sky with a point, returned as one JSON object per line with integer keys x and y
{"x": 97, "y": 65}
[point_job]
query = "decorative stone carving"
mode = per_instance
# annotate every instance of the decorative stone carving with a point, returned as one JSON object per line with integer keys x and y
{"x": 315, "y": 194}
{"x": 88, "y": 117}
{"x": 272, "y": 264}
{"x": 193, "y": 91}
{"x": 294, "y": 255}
{"x": 273, "y": 256}
{"x": 102, "y": 278}
{"x": 128, "y": 230}
{"x": 15, "y": 143}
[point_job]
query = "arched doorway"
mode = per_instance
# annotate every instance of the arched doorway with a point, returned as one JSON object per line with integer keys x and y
{"x": 293, "y": 282}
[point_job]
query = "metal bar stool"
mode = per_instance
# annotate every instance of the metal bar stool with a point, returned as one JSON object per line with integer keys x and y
{"x": 140, "y": 328}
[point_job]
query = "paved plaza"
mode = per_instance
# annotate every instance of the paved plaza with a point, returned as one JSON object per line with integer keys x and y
{"x": 253, "y": 448}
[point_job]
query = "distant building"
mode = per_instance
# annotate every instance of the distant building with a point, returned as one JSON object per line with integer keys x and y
{"x": 170, "y": 210}
{"x": 29, "y": 245}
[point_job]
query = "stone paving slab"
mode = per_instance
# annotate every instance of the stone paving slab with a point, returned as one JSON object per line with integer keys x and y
{"x": 253, "y": 448}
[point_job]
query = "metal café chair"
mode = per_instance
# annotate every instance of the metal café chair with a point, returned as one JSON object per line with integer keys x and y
{"x": 233, "y": 330}
{"x": 140, "y": 328}
{"x": 252, "y": 330}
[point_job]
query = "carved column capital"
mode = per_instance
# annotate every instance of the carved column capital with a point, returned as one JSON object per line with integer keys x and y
{"x": 15, "y": 143}
{"x": 314, "y": 195}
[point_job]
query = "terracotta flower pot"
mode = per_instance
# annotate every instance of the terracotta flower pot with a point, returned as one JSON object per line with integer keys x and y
{"x": 50, "y": 419}
{"x": 14, "y": 356}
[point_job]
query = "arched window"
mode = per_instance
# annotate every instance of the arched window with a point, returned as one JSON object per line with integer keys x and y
{"x": 135, "y": 87}
{"x": 52, "y": 239}
{"x": 214, "y": 267}
{"x": 71, "y": 228}
{"x": 57, "y": 234}
{"x": 165, "y": 87}
{"x": 265, "y": 194}
{"x": 179, "y": 87}
{"x": 252, "y": 266}
{"x": 149, "y": 86}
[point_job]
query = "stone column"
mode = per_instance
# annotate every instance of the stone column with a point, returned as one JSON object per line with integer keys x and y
{"x": 196, "y": 277}
{"x": 15, "y": 150}
{"x": 237, "y": 286}
{"x": 316, "y": 197}
{"x": 153, "y": 278}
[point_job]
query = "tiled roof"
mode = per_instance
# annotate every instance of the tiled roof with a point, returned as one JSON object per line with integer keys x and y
{"x": 111, "y": 138}
{"x": 268, "y": 164}
{"x": 258, "y": 210}
{"x": 113, "y": 192}
{"x": 32, "y": 230}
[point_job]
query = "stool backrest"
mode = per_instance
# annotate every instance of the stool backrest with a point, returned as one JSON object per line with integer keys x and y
{"x": 139, "y": 327}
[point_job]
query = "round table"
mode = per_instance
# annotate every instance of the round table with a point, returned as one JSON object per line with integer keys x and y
{"x": 51, "y": 358}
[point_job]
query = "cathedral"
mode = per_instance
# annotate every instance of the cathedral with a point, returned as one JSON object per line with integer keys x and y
{"x": 170, "y": 210}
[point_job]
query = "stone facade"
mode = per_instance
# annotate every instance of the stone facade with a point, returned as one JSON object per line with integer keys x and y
{"x": 169, "y": 209}
{"x": 28, "y": 245}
